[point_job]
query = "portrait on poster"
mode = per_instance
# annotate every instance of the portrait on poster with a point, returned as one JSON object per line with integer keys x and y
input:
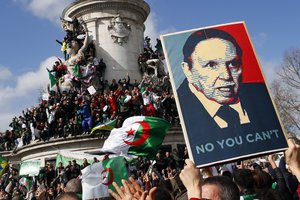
{"x": 224, "y": 104}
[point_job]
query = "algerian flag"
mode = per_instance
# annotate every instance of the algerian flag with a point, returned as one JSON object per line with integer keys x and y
{"x": 98, "y": 177}
{"x": 139, "y": 135}
{"x": 52, "y": 80}
{"x": 77, "y": 71}
{"x": 108, "y": 126}
{"x": 26, "y": 182}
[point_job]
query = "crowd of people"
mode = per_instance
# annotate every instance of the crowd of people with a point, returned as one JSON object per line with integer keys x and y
{"x": 170, "y": 176}
{"x": 54, "y": 180}
{"x": 70, "y": 109}
{"x": 250, "y": 180}
{"x": 76, "y": 112}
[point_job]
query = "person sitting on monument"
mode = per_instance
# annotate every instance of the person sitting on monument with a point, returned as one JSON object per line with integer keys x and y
{"x": 111, "y": 100}
{"x": 95, "y": 107}
{"x": 76, "y": 25}
{"x": 90, "y": 50}
{"x": 142, "y": 59}
{"x": 159, "y": 48}
{"x": 113, "y": 86}
{"x": 147, "y": 45}
{"x": 148, "y": 109}
{"x": 60, "y": 127}
{"x": 58, "y": 69}
{"x": 102, "y": 67}
{"x": 154, "y": 55}
{"x": 125, "y": 83}
{"x": 26, "y": 134}
{"x": 137, "y": 101}
{"x": 85, "y": 113}
{"x": 63, "y": 47}
{"x": 54, "y": 69}
{"x": 61, "y": 69}
{"x": 124, "y": 105}
{"x": 40, "y": 122}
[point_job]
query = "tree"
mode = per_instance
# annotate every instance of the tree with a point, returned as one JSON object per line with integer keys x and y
{"x": 286, "y": 91}
{"x": 290, "y": 73}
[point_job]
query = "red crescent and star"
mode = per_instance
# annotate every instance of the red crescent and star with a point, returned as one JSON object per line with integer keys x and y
{"x": 144, "y": 136}
{"x": 111, "y": 176}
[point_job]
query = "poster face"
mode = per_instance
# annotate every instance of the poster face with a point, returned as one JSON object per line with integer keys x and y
{"x": 225, "y": 108}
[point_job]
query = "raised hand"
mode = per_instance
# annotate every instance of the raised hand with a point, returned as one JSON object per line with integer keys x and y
{"x": 191, "y": 178}
{"x": 292, "y": 157}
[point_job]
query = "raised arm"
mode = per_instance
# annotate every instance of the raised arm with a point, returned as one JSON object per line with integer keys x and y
{"x": 282, "y": 186}
{"x": 191, "y": 179}
{"x": 292, "y": 157}
{"x": 86, "y": 39}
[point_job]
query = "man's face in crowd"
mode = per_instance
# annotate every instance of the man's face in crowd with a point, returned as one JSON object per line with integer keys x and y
{"x": 216, "y": 70}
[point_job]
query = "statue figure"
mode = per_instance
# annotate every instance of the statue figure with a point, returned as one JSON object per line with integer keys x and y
{"x": 66, "y": 25}
{"x": 76, "y": 53}
{"x": 119, "y": 30}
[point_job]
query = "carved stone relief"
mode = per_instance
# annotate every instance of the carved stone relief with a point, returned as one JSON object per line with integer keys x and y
{"x": 119, "y": 30}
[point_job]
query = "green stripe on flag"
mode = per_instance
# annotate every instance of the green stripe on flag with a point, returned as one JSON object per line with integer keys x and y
{"x": 157, "y": 130}
{"x": 108, "y": 126}
{"x": 3, "y": 165}
{"x": 118, "y": 168}
{"x": 98, "y": 177}
{"x": 77, "y": 72}
{"x": 26, "y": 182}
{"x": 51, "y": 78}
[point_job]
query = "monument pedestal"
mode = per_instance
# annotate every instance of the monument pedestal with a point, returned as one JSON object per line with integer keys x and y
{"x": 116, "y": 28}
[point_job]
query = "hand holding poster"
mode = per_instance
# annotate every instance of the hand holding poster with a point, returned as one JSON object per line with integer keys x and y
{"x": 225, "y": 108}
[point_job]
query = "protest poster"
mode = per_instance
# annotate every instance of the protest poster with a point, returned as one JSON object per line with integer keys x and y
{"x": 91, "y": 90}
{"x": 224, "y": 104}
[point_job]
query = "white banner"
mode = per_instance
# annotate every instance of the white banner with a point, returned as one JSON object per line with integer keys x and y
{"x": 30, "y": 168}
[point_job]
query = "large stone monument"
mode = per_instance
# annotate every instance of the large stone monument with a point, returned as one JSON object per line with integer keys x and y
{"x": 116, "y": 28}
